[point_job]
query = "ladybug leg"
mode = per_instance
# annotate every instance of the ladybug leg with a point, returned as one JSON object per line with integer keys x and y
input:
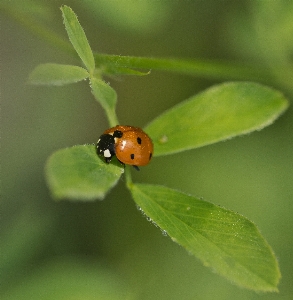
{"x": 107, "y": 159}
{"x": 136, "y": 168}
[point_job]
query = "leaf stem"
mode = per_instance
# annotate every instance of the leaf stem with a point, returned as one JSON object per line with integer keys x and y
{"x": 112, "y": 117}
{"x": 203, "y": 68}
{"x": 128, "y": 177}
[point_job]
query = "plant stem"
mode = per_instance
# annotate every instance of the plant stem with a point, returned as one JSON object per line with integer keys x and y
{"x": 128, "y": 177}
{"x": 112, "y": 117}
{"x": 203, "y": 68}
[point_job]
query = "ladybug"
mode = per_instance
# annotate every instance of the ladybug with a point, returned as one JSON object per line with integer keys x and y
{"x": 131, "y": 145}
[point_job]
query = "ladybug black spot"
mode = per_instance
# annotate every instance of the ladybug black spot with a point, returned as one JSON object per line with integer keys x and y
{"x": 132, "y": 156}
{"x": 118, "y": 134}
{"x": 138, "y": 140}
{"x": 151, "y": 154}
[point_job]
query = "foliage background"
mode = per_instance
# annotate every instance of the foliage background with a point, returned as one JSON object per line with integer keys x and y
{"x": 110, "y": 239}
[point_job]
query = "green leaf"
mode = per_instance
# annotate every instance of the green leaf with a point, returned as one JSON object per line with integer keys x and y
{"x": 78, "y": 173}
{"x": 219, "y": 113}
{"x": 223, "y": 240}
{"x": 78, "y": 38}
{"x": 106, "y": 96}
{"x": 56, "y": 74}
{"x": 103, "y": 93}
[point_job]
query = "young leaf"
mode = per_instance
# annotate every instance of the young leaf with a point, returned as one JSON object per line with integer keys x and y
{"x": 78, "y": 173}
{"x": 56, "y": 74}
{"x": 106, "y": 96}
{"x": 219, "y": 113}
{"x": 78, "y": 38}
{"x": 221, "y": 239}
{"x": 103, "y": 92}
{"x": 123, "y": 71}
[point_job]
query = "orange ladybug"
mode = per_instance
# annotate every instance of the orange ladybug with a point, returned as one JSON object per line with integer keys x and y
{"x": 131, "y": 145}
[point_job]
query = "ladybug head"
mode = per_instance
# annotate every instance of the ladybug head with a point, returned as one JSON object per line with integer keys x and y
{"x": 106, "y": 147}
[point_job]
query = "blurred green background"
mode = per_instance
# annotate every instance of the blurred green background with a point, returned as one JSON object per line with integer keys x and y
{"x": 107, "y": 249}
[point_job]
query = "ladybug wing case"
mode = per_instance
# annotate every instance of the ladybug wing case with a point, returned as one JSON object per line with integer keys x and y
{"x": 134, "y": 148}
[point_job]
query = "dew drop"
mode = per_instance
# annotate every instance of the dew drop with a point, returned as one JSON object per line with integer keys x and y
{"x": 163, "y": 139}
{"x": 164, "y": 233}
